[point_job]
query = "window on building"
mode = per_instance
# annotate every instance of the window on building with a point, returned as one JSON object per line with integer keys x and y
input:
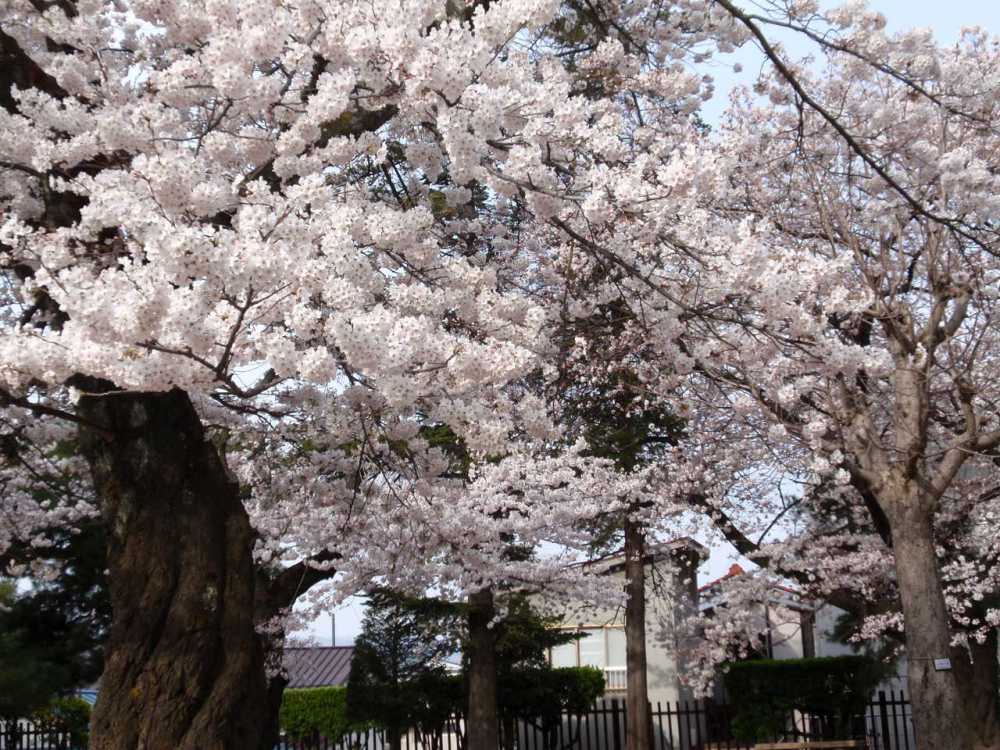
{"x": 564, "y": 655}
{"x": 616, "y": 647}
{"x": 598, "y": 647}
{"x": 592, "y": 649}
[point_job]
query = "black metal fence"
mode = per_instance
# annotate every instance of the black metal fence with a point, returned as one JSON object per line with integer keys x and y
{"x": 22, "y": 734}
{"x": 371, "y": 739}
{"x": 890, "y": 721}
{"x": 684, "y": 725}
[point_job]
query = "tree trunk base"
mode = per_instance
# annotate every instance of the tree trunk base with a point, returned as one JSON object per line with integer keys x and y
{"x": 482, "y": 725}
{"x": 184, "y": 666}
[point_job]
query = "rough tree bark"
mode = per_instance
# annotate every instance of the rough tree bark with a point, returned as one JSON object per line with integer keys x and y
{"x": 978, "y": 677}
{"x": 938, "y": 710}
{"x": 184, "y": 666}
{"x": 639, "y": 726}
{"x": 481, "y": 722}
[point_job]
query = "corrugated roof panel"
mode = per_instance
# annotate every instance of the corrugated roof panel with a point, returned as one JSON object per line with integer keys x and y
{"x": 318, "y": 666}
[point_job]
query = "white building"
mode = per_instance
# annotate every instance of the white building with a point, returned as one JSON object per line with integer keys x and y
{"x": 671, "y": 594}
{"x": 793, "y": 626}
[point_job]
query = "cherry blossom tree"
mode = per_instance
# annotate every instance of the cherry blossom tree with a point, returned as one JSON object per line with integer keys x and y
{"x": 216, "y": 270}
{"x": 248, "y": 250}
{"x": 255, "y": 253}
{"x": 878, "y": 358}
{"x": 823, "y": 275}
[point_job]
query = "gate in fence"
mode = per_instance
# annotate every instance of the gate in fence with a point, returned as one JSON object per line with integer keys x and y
{"x": 685, "y": 725}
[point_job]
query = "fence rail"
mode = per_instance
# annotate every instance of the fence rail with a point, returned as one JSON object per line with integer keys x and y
{"x": 886, "y": 724}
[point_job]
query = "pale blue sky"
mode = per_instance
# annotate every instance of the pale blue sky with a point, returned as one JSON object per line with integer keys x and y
{"x": 945, "y": 17}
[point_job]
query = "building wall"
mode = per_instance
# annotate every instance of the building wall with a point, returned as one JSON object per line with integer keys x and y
{"x": 668, "y": 601}
{"x": 787, "y": 640}
{"x": 826, "y": 619}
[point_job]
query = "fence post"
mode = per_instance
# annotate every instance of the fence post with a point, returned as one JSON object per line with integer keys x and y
{"x": 615, "y": 729}
{"x": 883, "y": 713}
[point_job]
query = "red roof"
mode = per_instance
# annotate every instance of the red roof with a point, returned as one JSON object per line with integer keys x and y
{"x": 318, "y": 666}
{"x": 734, "y": 570}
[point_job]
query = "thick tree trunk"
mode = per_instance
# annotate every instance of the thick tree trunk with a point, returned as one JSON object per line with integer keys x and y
{"x": 271, "y": 732}
{"x": 938, "y": 710}
{"x": 979, "y": 681}
{"x": 184, "y": 667}
{"x": 481, "y": 723}
{"x": 639, "y": 724}
{"x": 509, "y": 732}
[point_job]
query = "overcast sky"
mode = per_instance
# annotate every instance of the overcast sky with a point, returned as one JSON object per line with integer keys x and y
{"x": 946, "y": 17}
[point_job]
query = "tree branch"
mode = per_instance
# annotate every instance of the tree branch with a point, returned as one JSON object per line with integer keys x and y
{"x": 834, "y": 123}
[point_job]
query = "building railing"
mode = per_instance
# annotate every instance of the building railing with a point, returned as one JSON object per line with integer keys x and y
{"x": 614, "y": 678}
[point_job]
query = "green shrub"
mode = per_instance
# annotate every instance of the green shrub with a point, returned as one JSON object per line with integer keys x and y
{"x": 529, "y": 692}
{"x": 435, "y": 698}
{"x": 764, "y": 692}
{"x": 544, "y": 692}
{"x": 579, "y": 687}
{"x": 69, "y": 715}
{"x": 425, "y": 703}
{"x": 306, "y": 712}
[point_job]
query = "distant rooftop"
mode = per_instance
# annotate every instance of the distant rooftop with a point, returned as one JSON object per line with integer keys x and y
{"x": 318, "y": 666}
{"x": 785, "y": 595}
{"x": 655, "y": 552}
{"x": 734, "y": 570}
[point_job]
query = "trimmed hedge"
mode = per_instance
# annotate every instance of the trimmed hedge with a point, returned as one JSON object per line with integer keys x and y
{"x": 306, "y": 712}
{"x": 527, "y": 692}
{"x": 765, "y": 691}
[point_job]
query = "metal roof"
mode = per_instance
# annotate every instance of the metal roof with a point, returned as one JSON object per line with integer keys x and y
{"x": 318, "y": 666}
